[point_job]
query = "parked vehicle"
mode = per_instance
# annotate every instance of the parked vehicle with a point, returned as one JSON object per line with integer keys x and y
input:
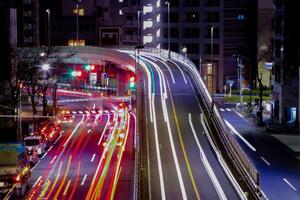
{"x": 14, "y": 168}
{"x": 35, "y": 144}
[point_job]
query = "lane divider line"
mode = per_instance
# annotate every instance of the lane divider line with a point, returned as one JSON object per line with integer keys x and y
{"x": 207, "y": 165}
{"x": 93, "y": 157}
{"x": 287, "y": 182}
{"x": 83, "y": 180}
{"x": 265, "y": 160}
{"x": 239, "y": 135}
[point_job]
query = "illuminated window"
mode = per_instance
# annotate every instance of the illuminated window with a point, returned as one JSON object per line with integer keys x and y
{"x": 147, "y": 9}
{"x": 120, "y": 12}
{"x": 158, "y": 33}
{"x": 158, "y": 18}
{"x": 209, "y": 69}
{"x": 157, "y": 3}
{"x": 80, "y": 11}
{"x": 148, "y": 24}
{"x": 147, "y": 39}
{"x": 73, "y": 42}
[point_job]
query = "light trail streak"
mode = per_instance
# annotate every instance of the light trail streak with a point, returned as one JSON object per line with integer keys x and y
{"x": 183, "y": 148}
{"x": 76, "y": 182}
{"x": 207, "y": 166}
{"x": 91, "y": 188}
{"x": 55, "y": 182}
{"x": 64, "y": 179}
{"x": 66, "y": 188}
{"x": 97, "y": 192}
{"x": 165, "y": 111}
{"x": 103, "y": 132}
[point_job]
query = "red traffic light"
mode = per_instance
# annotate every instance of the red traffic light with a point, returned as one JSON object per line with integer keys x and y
{"x": 132, "y": 79}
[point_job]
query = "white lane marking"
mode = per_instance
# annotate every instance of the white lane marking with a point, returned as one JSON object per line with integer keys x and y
{"x": 228, "y": 109}
{"x": 181, "y": 71}
{"x": 57, "y": 139}
{"x": 239, "y": 135}
{"x": 221, "y": 109}
{"x": 287, "y": 182}
{"x": 167, "y": 66}
{"x": 83, "y": 180}
{"x": 36, "y": 164}
{"x": 239, "y": 114}
{"x": 50, "y": 148}
{"x": 175, "y": 158}
{"x": 44, "y": 155}
{"x": 92, "y": 160}
{"x": 53, "y": 159}
{"x": 160, "y": 172}
{"x": 265, "y": 160}
{"x": 107, "y": 122}
{"x": 207, "y": 165}
{"x": 39, "y": 178}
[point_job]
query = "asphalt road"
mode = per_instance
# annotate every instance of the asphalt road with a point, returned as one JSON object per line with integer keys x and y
{"x": 182, "y": 164}
{"x": 93, "y": 159}
{"x": 278, "y": 166}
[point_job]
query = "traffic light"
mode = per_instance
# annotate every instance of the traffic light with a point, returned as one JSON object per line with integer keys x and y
{"x": 76, "y": 73}
{"x": 132, "y": 82}
{"x": 89, "y": 67}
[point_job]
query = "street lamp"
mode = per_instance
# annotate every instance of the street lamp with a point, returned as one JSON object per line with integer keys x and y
{"x": 184, "y": 50}
{"x": 169, "y": 42}
{"x": 48, "y": 14}
{"x": 45, "y": 67}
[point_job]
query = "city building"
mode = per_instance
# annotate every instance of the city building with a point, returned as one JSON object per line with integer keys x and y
{"x": 28, "y": 23}
{"x": 8, "y": 43}
{"x": 97, "y": 23}
{"x": 195, "y": 25}
{"x": 286, "y": 61}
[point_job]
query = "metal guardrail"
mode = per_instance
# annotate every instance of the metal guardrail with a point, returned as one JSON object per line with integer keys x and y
{"x": 233, "y": 149}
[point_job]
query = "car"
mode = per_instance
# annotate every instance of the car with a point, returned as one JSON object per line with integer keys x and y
{"x": 65, "y": 118}
{"x": 35, "y": 144}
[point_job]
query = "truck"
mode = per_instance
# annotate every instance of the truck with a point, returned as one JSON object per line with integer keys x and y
{"x": 14, "y": 169}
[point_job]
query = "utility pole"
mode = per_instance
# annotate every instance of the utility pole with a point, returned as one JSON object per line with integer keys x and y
{"x": 77, "y": 24}
{"x": 212, "y": 62}
{"x": 48, "y": 15}
{"x": 169, "y": 41}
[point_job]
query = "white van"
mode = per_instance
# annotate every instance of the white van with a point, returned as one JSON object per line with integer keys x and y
{"x": 35, "y": 143}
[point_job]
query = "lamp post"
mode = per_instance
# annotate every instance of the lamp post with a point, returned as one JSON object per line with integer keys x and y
{"x": 139, "y": 22}
{"x": 77, "y": 24}
{"x": 212, "y": 57}
{"x": 184, "y": 50}
{"x": 169, "y": 42}
{"x": 48, "y": 17}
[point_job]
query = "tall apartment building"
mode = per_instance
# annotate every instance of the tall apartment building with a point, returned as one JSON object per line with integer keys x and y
{"x": 100, "y": 22}
{"x": 190, "y": 29}
{"x": 286, "y": 61}
{"x": 28, "y": 23}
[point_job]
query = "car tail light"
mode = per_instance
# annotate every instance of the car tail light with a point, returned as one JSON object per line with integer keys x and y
{"x": 18, "y": 178}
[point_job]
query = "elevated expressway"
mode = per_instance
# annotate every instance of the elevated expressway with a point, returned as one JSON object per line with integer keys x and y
{"x": 184, "y": 150}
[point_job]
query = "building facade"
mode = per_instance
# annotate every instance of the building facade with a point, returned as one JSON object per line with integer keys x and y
{"x": 97, "y": 23}
{"x": 191, "y": 23}
{"x": 286, "y": 61}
